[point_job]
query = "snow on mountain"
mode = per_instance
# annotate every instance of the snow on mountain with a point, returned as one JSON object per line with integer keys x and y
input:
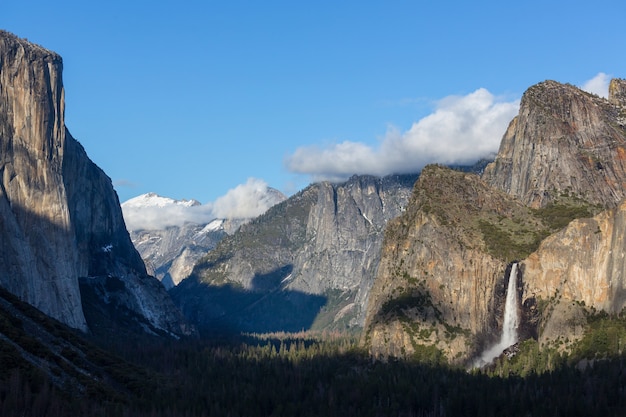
{"x": 155, "y": 200}
{"x": 172, "y": 235}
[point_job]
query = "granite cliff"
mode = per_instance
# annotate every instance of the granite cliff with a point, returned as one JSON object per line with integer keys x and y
{"x": 307, "y": 262}
{"x": 564, "y": 141}
{"x": 568, "y": 145}
{"x": 171, "y": 253}
{"x": 440, "y": 286}
{"x": 579, "y": 268}
{"x": 60, "y": 219}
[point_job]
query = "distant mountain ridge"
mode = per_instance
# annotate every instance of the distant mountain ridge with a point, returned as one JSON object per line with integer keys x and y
{"x": 307, "y": 262}
{"x": 174, "y": 234}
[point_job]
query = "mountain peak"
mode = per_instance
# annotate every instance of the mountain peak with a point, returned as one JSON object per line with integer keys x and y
{"x": 564, "y": 142}
{"x": 154, "y": 200}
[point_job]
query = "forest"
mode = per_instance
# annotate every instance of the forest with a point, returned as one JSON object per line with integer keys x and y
{"x": 322, "y": 375}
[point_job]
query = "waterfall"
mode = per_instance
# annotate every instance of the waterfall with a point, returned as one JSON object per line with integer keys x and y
{"x": 509, "y": 326}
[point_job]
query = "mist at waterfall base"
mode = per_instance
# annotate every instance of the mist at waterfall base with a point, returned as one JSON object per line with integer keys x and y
{"x": 509, "y": 326}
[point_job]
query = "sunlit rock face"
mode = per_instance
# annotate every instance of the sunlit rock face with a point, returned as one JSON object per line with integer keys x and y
{"x": 584, "y": 263}
{"x": 617, "y": 92}
{"x": 60, "y": 218}
{"x": 437, "y": 284}
{"x": 39, "y": 261}
{"x": 568, "y": 143}
{"x": 564, "y": 142}
{"x": 436, "y": 274}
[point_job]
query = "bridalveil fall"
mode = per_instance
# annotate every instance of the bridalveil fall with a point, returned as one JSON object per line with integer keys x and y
{"x": 509, "y": 325}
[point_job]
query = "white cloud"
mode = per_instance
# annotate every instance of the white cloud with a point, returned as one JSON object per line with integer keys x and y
{"x": 462, "y": 129}
{"x": 162, "y": 217}
{"x": 245, "y": 201}
{"x": 152, "y": 212}
{"x": 598, "y": 85}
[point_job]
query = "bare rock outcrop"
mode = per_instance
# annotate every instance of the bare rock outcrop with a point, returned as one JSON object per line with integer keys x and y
{"x": 564, "y": 142}
{"x": 181, "y": 232}
{"x": 617, "y": 92}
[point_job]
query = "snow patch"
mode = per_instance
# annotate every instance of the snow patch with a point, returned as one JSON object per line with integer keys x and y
{"x": 214, "y": 226}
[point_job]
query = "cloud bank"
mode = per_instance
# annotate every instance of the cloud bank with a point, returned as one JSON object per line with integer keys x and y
{"x": 598, "y": 85}
{"x": 152, "y": 212}
{"x": 461, "y": 130}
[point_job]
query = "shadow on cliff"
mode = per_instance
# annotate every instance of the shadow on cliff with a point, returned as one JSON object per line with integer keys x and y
{"x": 266, "y": 307}
{"x": 36, "y": 261}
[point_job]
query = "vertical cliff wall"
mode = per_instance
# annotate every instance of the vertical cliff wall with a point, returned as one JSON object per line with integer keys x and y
{"x": 567, "y": 144}
{"x": 60, "y": 218}
{"x": 582, "y": 265}
{"x": 39, "y": 261}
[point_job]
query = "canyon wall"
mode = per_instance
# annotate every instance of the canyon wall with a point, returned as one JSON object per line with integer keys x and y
{"x": 60, "y": 218}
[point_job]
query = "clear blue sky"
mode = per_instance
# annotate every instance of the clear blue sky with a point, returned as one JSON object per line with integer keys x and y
{"x": 188, "y": 99}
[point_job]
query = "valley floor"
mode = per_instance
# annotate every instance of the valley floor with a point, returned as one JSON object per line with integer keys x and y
{"x": 300, "y": 375}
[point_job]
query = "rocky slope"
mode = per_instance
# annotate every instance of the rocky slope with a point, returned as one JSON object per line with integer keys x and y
{"x": 60, "y": 219}
{"x": 171, "y": 253}
{"x": 35, "y": 219}
{"x": 307, "y": 262}
{"x": 564, "y": 142}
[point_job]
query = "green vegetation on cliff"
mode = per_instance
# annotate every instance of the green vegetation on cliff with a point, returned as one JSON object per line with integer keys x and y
{"x": 478, "y": 213}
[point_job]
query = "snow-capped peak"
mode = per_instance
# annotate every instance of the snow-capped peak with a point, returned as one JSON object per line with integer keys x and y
{"x": 153, "y": 212}
{"x": 155, "y": 200}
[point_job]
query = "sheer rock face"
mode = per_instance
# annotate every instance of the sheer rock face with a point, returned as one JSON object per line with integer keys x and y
{"x": 39, "y": 262}
{"x": 617, "y": 92}
{"x": 568, "y": 142}
{"x": 60, "y": 218}
{"x": 325, "y": 238}
{"x": 437, "y": 284}
{"x": 345, "y": 231}
{"x": 582, "y": 264}
{"x": 564, "y": 140}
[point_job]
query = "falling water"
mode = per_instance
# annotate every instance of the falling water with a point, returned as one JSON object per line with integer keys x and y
{"x": 509, "y": 326}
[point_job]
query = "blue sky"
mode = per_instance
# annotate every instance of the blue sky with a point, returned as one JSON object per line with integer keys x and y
{"x": 190, "y": 99}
